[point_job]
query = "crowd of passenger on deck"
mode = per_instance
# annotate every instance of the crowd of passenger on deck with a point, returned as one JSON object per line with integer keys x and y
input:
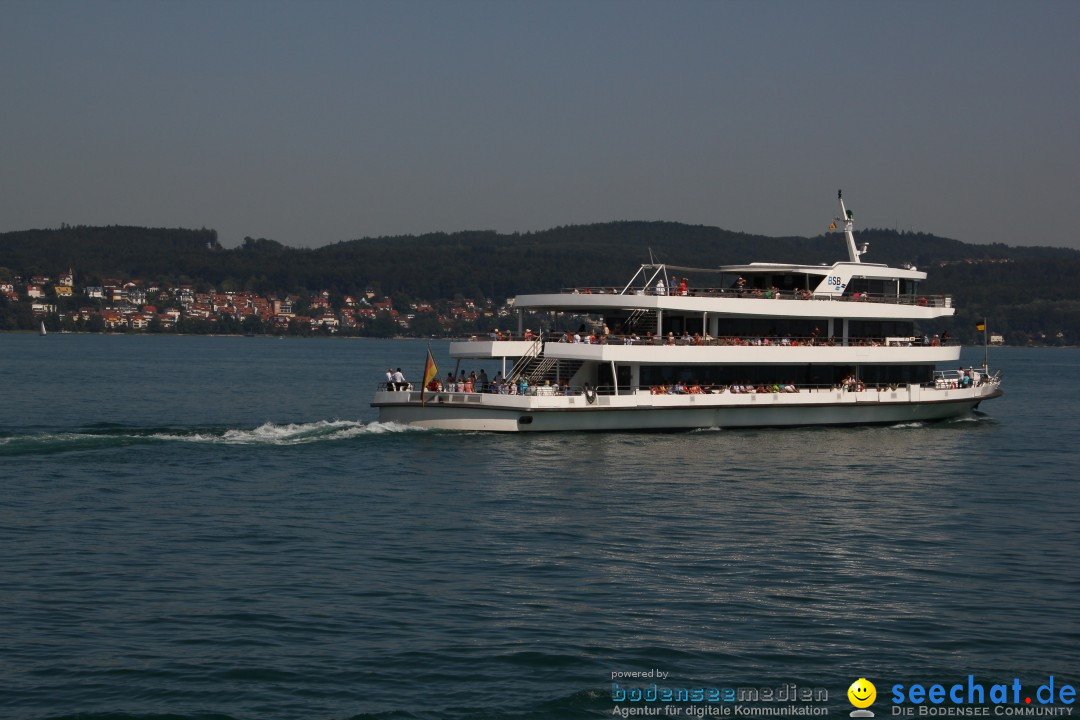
{"x": 681, "y": 388}
{"x": 520, "y": 385}
{"x": 686, "y": 338}
{"x": 474, "y": 383}
{"x": 741, "y": 289}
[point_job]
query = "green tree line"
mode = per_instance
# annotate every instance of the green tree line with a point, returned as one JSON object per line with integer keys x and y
{"x": 1029, "y": 293}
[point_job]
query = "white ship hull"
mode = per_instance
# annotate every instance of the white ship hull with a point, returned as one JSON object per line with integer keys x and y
{"x": 643, "y": 411}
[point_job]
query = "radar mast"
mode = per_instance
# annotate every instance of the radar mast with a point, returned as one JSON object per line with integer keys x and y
{"x": 847, "y": 218}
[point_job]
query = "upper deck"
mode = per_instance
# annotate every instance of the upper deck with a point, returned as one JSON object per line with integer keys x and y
{"x": 744, "y": 301}
{"x": 855, "y": 290}
{"x": 713, "y": 351}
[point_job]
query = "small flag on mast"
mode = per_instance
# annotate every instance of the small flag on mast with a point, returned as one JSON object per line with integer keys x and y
{"x": 981, "y": 326}
{"x": 431, "y": 371}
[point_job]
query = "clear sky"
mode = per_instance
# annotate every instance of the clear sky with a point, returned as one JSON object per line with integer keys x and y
{"x": 314, "y": 122}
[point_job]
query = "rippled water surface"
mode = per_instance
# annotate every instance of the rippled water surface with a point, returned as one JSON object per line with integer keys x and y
{"x": 219, "y": 528}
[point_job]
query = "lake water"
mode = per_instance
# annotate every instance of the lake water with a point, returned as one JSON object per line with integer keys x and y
{"x": 198, "y": 527}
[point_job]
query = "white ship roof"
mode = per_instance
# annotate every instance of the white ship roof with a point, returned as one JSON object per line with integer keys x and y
{"x": 862, "y": 269}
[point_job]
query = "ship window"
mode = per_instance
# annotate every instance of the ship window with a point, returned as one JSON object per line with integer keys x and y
{"x": 880, "y": 329}
{"x": 770, "y": 327}
{"x": 525, "y": 420}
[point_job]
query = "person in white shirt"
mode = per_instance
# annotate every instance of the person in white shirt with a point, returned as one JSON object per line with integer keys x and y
{"x": 399, "y": 380}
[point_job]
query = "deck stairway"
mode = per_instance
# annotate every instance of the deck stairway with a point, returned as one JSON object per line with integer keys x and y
{"x": 640, "y": 322}
{"x": 545, "y": 368}
{"x": 538, "y": 368}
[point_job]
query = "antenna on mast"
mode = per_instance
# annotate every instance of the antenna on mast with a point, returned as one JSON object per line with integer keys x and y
{"x": 847, "y": 218}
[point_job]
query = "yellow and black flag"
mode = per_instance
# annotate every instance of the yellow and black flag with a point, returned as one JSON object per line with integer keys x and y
{"x": 981, "y": 327}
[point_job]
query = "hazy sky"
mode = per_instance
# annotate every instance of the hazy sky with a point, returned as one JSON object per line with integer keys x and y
{"x": 314, "y": 122}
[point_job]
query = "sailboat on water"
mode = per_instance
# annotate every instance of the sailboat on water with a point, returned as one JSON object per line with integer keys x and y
{"x": 43, "y": 328}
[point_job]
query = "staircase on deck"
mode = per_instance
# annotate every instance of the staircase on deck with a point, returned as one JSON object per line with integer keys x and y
{"x": 640, "y": 322}
{"x": 537, "y": 368}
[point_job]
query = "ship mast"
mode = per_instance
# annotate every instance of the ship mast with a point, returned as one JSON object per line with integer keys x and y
{"x": 847, "y": 218}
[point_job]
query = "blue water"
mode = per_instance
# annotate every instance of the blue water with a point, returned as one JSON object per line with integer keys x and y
{"x": 199, "y": 528}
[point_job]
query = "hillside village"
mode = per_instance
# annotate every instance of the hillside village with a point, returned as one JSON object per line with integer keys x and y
{"x": 117, "y": 306}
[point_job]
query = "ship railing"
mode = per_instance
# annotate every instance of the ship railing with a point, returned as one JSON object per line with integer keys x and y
{"x": 458, "y": 392}
{"x": 769, "y": 294}
{"x": 763, "y": 341}
{"x": 961, "y": 378}
{"x": 942, "y": 380}
{"x": 787, "y": 340}
{"x": 769, "y": 388}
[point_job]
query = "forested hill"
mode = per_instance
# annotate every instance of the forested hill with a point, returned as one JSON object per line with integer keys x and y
{"x": 493, "y": 265}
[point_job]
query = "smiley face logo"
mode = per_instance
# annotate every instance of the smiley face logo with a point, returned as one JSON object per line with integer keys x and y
{"x": 862, "y": 693}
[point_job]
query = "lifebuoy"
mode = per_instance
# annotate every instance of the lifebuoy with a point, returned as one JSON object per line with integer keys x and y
{"x": 921, "y": 302}
{"x": 590, "y": 395}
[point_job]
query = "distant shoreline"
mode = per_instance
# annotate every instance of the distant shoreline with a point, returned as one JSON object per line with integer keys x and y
{"x": 236, "y": 335}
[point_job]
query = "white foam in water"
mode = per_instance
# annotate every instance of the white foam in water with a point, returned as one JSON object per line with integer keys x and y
{"x": 266, "y": 434}
{"x": 291, "y": 434}
{"x": 966, "y": 418}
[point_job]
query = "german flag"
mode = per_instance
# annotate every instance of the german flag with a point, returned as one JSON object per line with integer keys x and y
{"x": 431, "y": 371}
{"x": 981, "y": 327}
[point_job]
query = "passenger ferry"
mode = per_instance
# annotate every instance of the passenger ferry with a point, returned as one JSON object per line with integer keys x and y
{"x": 758, "y": 345}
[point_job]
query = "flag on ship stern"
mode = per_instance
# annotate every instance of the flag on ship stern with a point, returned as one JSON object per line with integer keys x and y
{"x": 980, "y": 326}
{"x": 431, "y": 371}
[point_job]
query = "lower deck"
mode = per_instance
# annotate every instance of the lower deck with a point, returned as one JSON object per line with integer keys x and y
{"x": 643, "y": 409}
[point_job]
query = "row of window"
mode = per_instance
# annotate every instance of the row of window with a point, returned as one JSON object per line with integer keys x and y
{"x": 769, "y": 327}
{"x": 800, "y": 375}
